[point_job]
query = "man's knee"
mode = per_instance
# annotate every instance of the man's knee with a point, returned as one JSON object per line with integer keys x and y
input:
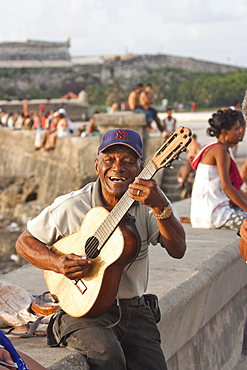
{"x": 99, "y": 350}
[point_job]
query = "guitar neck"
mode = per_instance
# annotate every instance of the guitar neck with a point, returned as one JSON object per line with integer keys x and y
{"x": 121, "y": 208}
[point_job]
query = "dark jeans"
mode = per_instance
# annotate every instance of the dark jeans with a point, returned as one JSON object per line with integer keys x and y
{"x": 133, "y": 344}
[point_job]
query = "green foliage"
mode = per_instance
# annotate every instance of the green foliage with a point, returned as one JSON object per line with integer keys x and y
{"x": 106, "y": 94}
{"x": 212, "y": 89}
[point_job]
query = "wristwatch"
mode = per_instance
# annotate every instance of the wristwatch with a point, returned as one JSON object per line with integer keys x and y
{"x": 167, "y": 212}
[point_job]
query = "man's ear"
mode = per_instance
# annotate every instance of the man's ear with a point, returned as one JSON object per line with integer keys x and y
{"x": 96, "y": 166}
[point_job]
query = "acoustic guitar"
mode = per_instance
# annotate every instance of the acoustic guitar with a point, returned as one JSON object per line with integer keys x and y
{"x": 110, "y": 240}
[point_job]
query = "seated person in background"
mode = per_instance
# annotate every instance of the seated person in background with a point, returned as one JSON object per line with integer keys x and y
{"x": 9, "y": 355}
{"x": 169, "y": 124}
{"x": 134, "y": 99}
{"x": 235, "y": 105}
{"x": 61, "y": 130}
{"x": 186, "y": 174}
{"x": 46, "y": 139}
{"x": 68, "y": 120}
{"x": 114, "y": 107}
{"x": 28, "y": 121}
{"x": 185, "y": 177}
{"x": 82, "y": 130}
{"x": 217, "y": 199}
{"x": 91, "y": 129}
{"x": 193, "y": 148}
{"x": 19, "y": 121}
{"x": 146, "y": 101}
{"x": 62, "y": 126}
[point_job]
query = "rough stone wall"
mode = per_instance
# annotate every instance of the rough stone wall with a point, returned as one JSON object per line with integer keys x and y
{"x": 34, "y": 50}
{"x": 133, "y": 68}
{"x": 47, "y": 79}
{"x": 64, "y": 170}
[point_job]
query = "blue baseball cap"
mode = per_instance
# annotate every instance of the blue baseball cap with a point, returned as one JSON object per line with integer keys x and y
{"x": 126, "y": 137}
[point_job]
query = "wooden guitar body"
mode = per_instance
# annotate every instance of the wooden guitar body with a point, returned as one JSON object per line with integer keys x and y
{"x": 93, "y": 295}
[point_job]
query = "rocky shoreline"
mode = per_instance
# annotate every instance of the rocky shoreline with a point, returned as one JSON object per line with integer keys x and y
{"x": 17, "y": 206}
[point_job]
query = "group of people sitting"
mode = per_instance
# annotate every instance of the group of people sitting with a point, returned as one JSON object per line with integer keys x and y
{"x": 48, "y": 125}
{"x": 57, "y": 124}
{"x": 140, "y": 100}
{"x": 24, "y": 120}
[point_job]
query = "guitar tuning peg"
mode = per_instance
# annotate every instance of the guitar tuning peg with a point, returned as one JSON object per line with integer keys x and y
{"x": 171, "y": 167}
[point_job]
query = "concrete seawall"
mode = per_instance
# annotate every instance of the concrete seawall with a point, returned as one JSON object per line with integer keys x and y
{"x": 202, "y": 299}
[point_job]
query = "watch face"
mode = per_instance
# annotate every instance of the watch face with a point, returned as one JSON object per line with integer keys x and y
{"x": 168, "y": 212}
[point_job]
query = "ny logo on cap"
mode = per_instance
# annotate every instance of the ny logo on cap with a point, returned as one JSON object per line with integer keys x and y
{"x": 122, "y": 135}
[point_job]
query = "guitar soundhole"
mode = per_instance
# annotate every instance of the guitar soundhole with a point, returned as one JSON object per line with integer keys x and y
{"x": 91, "y": 247}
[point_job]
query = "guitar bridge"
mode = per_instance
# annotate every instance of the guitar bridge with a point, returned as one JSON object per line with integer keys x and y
{"x": 81, "y": 286}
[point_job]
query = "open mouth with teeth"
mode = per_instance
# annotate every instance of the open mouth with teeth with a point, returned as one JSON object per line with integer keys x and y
{"x": 118, "y": 179}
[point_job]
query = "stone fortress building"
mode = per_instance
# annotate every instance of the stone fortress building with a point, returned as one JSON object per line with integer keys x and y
{"x": 34, "y": 50}
{"x": 30, "y": 53}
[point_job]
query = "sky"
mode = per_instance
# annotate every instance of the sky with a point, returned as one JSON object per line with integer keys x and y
{"x": 211, "y": 30}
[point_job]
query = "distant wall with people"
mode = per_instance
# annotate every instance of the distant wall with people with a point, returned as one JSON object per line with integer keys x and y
{"x": 69, "y": 167}
{"x": 75, "y": 110}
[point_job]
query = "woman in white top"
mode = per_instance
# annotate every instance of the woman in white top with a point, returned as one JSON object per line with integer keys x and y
{"x": 217, "y": 200}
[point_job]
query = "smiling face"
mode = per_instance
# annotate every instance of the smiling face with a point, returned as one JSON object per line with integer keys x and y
{"x": 117, "y": 167}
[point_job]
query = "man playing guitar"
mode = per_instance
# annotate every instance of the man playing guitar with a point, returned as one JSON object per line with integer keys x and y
{"x": 125, "y": 336}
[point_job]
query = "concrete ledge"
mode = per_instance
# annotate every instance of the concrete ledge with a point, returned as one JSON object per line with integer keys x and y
{"x": 71, "y": 362}
{"x": 129, "y": 120}
{"x": 202, "y": 299}
{"x": 198, "y": 316}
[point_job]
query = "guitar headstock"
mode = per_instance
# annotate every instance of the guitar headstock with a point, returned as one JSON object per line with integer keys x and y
{"x": 172, "y": 147}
